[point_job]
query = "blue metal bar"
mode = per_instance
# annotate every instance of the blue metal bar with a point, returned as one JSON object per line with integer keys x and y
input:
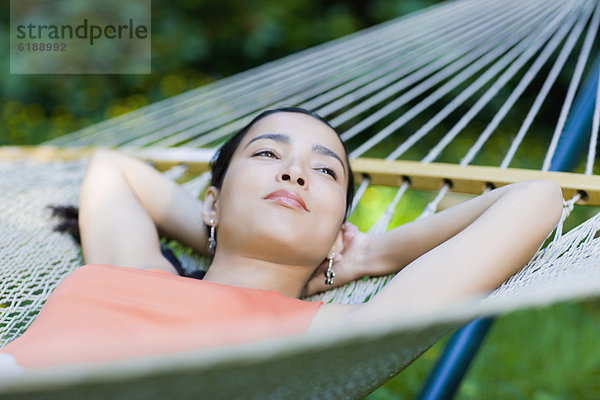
{"x": 451, "y": 367}
{"x": 578, "y": 126}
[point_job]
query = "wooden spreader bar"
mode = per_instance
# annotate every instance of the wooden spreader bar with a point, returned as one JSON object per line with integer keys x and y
{"x": 472, "y": 178}
{"x": 468, "y": 179}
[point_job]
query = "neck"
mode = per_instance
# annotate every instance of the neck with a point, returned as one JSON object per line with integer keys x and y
{"x": 254, "y": 273}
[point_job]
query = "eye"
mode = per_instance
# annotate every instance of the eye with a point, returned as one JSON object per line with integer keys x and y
{"x": 265, "y": 153}
{"x": 328, "y": 171}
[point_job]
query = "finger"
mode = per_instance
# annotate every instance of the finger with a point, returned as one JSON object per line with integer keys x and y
{"x": 350, "y": 226}
{"x": 349, "y": 231}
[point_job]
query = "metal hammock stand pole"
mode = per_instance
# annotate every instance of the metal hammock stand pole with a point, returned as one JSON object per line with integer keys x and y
{"x": 406, "y": 88}
{"x": 452, "y": 365}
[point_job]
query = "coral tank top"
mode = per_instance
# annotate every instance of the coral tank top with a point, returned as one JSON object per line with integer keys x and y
{"x": 105, "y": 312}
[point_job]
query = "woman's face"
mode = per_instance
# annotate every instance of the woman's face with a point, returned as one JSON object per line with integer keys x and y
{"x": 284, "y": 195}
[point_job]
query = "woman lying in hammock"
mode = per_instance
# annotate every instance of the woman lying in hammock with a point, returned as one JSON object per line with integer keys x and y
{"x": 274, "y": 218}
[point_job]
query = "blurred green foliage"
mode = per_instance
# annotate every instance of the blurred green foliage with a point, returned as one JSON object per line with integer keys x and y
{"x": 193, "y": 43}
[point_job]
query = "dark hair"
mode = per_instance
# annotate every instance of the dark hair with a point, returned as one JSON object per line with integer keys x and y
{"x": 222, "y": 158}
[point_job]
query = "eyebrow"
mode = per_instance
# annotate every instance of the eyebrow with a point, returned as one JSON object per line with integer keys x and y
{"x": 317, "y": 148}
{"x": 278, "y": 137}
{"x": 282, "y": 138}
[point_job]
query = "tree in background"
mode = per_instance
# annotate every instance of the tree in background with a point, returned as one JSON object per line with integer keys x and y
{"x": 193, "y": 43}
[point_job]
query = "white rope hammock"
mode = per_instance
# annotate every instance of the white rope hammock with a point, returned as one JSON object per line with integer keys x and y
{"x": 417, "y": 87}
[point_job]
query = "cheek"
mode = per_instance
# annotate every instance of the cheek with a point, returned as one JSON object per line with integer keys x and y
{"x": 238, "y": 184}
{"x": 242, "y": 189}
{"x": 330, "y": 205}
{"x": 337, "y": 208}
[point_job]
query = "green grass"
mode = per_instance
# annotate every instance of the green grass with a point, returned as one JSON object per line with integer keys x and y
{"x": 550, "y": 353}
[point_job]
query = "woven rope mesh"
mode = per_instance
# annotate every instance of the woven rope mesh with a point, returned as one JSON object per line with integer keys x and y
{"x": 33, "y": 259}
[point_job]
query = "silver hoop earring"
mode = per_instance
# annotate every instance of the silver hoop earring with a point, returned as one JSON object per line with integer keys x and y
{"x": 329, "y": 274}
{"x": 212, "y": 242}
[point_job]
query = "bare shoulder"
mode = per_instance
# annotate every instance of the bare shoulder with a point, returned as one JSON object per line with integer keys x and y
{"x": 332, "y": 313}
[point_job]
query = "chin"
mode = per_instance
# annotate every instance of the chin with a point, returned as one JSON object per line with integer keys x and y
{"x": 293, "y": 243}
{"x": 289, "y": 235}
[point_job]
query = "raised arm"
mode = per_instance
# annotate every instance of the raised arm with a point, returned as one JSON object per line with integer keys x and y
{"x": 395, "y": 249}
{"x": 122, "y": 203}
{"x": 462, "y": 251}
{"x": 389, "y": 252}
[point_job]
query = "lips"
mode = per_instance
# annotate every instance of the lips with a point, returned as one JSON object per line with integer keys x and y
{"x": 287, "y": 198}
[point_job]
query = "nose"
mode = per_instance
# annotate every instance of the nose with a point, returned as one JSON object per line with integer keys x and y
{"x": 293, "y": 173}
{"x": 287, "y": 177}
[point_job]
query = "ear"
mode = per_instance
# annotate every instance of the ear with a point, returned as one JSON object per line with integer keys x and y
{"x": 338, "y": 245}
{"x": 210, "y": 205}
